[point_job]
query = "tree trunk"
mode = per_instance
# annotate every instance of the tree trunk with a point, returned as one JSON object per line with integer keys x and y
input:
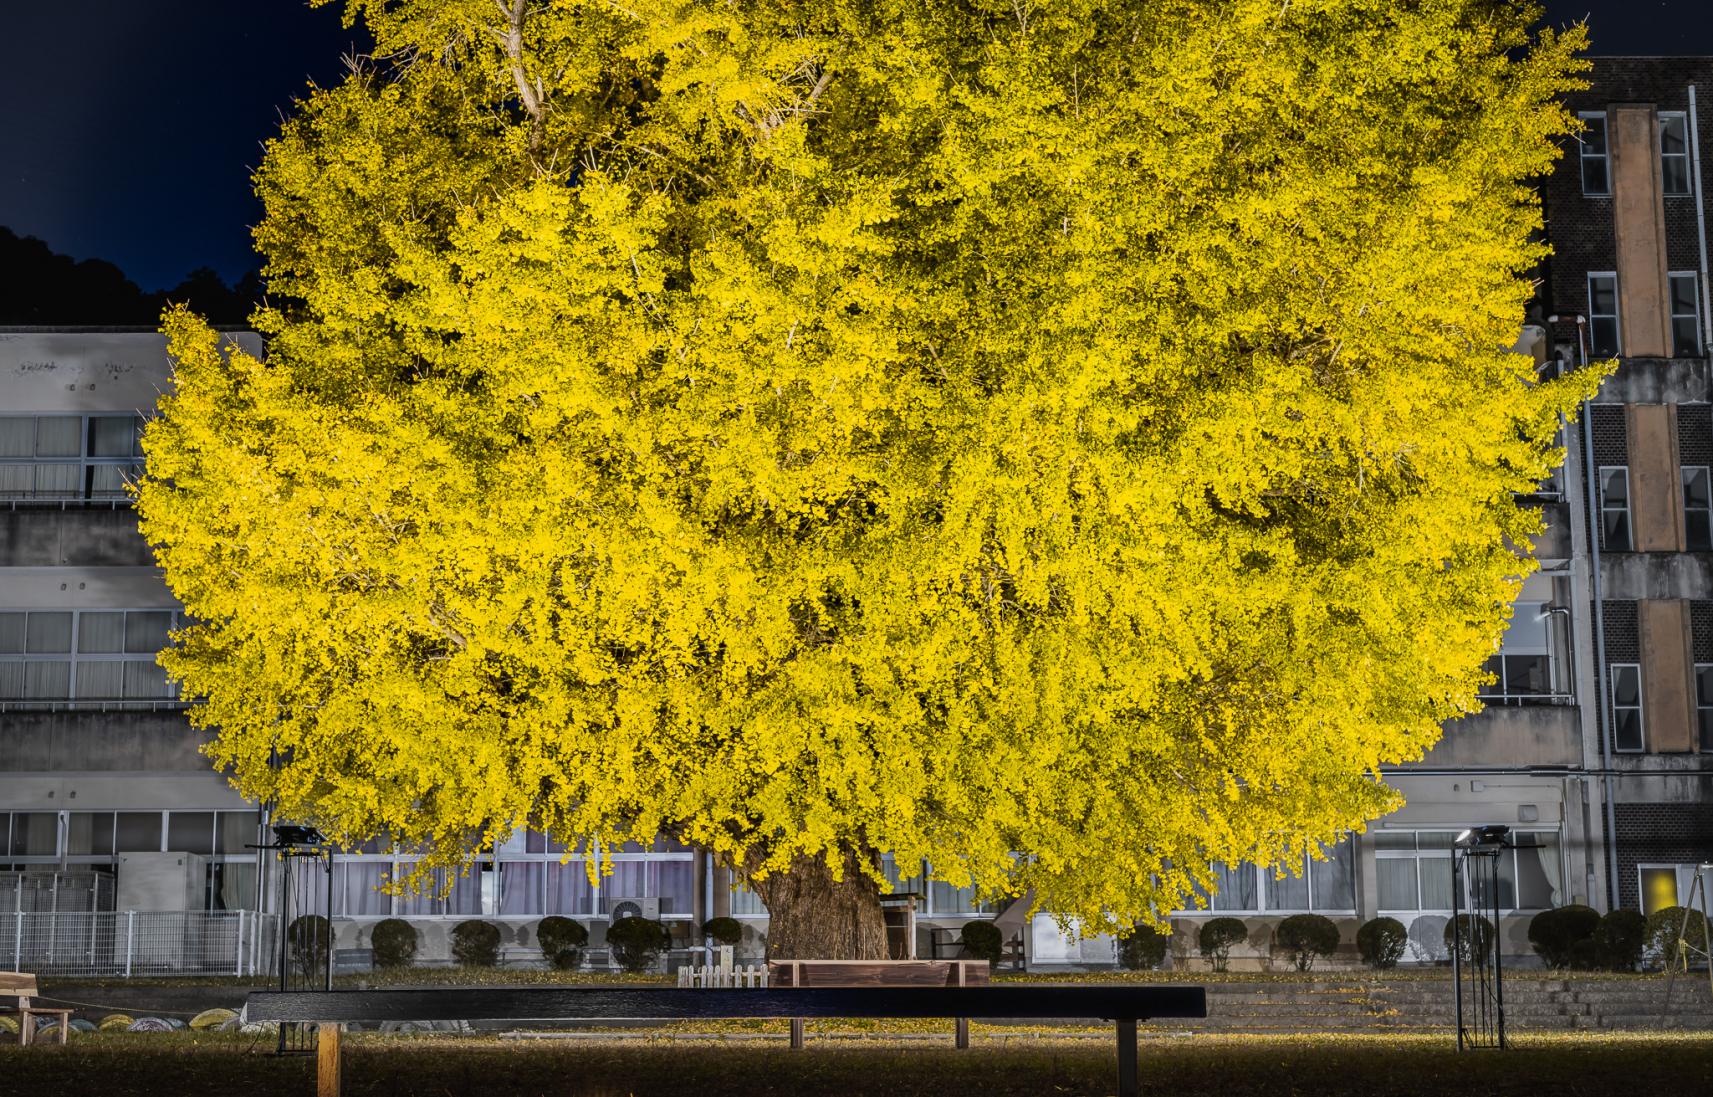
{"x": 811, "y": 916}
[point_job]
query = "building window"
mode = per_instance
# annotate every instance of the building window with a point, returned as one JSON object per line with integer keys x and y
{"x": 1522, "y": 669}
{"x": 1603, "y": 331}
{"x": 522, "y": 878}
{"x": 96, "y": 656}
{"x": 1697, "y": 508}
{"x": 63, "y": 458}
{"x": 1685, "y": 316}
{"x": 1413, "y": 871}
{"x": 1596, "y": 179}
{"x": 1674, "y": 151}
{"x": 1704, "y": 706}
{"x": 1326, "y": 885}
{"x": 1615, "y": 508}
{"x": 1627, "y": 721}
{"x": 1668, "y": 885}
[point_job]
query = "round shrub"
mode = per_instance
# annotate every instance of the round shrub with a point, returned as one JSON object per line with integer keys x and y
{"x": 561, "y": 941}
{"x": 1216, "y": 938}
{"x": 1381, "y": 942}
{"x": 1477, "y": 933}
{"x": 637, "y": 942}
{"x": 394, "y": 942}
{"x": 476, "y": 943}
{"x": 1659, "y": 939}
{"x": 1619, "y": 940}
{"x": 982, "y": 941}
{"x": 724, "y": 931}
{"x": 1306, "y": 938}
{"x": 1143, "y": 948}
{"x": 309, "y": 937}
{"x": 1557, "y": 935}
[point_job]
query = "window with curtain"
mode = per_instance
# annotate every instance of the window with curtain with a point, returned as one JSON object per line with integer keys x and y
{"x": 69, "y": 457}
{"x": 523, "y": 887}
{"x": 746, "y": 903}
{"x": 1413, "y": 871}
{"x": 568, "y": 890}
{"x": 359, "y": 889}
{"x": 112, "y": 659}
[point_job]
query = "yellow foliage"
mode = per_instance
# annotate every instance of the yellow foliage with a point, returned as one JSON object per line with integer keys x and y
{"x": 1074, "y": 443}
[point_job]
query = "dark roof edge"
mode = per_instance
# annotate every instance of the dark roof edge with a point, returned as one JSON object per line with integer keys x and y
{"x": 105, "y": 329}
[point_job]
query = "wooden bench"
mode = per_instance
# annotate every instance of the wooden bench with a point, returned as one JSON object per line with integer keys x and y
{"x": 1122, "y": 1004}
{"x": 22, "y": 987}
{"x": 879, "y": 973}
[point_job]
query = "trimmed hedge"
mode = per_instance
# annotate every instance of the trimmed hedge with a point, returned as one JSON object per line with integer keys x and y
{"x": 724, "y": 931}
{"x": 982, "y": 941}
{"x": 476, "y": 943}
{"x": 1306, "y": 938}
{"x": 1143, "y": 948}
{"x": 1381, "y": 942}
{"x": 1558, "y": 936}
{"x": 1216, "y": 937}
{"x": 309, "y": 936}
{"x": 1659, "y": 939}
{"x": 637, "y": 942}
{"x": 561, "y": 941}
{"x": 394, "y": 942}
{"x": 1619, "y": 940}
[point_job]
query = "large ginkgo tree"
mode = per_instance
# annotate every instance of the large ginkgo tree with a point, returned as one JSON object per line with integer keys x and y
{"x": 1073, "y": 443}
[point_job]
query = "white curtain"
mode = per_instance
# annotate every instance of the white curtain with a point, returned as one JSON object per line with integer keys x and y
{"x": 101, "y": 633}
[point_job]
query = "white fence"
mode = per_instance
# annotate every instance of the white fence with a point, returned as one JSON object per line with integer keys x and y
{"x": 130, "y": 942}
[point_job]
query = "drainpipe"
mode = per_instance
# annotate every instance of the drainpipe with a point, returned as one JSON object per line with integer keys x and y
{"x": 1602, "y": 719}
{"x": 1700, "y": 221}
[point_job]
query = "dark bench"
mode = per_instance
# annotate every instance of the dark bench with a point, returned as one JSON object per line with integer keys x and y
{"x": 1122, "y": 1004}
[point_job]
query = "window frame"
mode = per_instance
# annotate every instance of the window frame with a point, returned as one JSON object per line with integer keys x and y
{"x": 1629, "y": 544}
{"x": 75, "y": 657}
{"x": 1501, "y": 691}
{"x": 1640, "y": 707}
{"x": 1596, "y": 319}
{"x": 1263, "y": 874}
{"x": 1691, "y": 543}
{"x": 86, "y": 462}
{"x": 1419, "y": 853}
{"x": 1703, "y": 710}
{"x": 1695, "y": 349}
{"x": 1603, "y": 157}
{"x": 1681, "y": 158}
{"x": 491, "y": 867}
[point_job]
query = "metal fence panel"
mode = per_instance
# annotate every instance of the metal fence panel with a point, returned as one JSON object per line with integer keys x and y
{"x": 125, "y": 943}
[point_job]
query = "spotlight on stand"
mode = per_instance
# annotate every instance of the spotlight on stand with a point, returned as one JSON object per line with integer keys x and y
{"x": 1491, "y": 836}
{"x": 287, "y": 835}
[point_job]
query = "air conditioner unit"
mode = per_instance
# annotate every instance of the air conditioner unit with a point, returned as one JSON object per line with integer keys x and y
{"x": 629, "y": 907}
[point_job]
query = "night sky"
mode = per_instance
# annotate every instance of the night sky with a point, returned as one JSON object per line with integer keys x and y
{"x": 128, "y": 128}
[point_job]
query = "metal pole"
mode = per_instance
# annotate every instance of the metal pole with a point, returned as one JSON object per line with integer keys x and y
{"x": 18, "y": 932}
{"x": 1457, "y": 941}
{"x": 130, "y": 939}
{"x": 327, "y": 960}
{"x": 1498, "y": 954}
{"x": 1603, "y": 716}
{"x": 238, "y": 948}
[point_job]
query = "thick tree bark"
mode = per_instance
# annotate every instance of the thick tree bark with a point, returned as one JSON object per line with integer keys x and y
{"x": 811, "y": 916}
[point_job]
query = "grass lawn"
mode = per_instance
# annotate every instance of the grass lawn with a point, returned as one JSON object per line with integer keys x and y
{"x": 141, "y": 1065}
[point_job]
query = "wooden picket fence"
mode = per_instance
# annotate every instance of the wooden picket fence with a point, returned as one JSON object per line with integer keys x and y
{"x": 724, "y": 974}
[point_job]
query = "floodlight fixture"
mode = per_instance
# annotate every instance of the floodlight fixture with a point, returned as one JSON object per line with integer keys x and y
{"x": 1490, "y": 836}
{"x": 287, "y": 835}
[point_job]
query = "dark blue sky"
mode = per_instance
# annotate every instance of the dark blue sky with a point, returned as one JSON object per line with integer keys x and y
{"x": 128, "y": 127}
